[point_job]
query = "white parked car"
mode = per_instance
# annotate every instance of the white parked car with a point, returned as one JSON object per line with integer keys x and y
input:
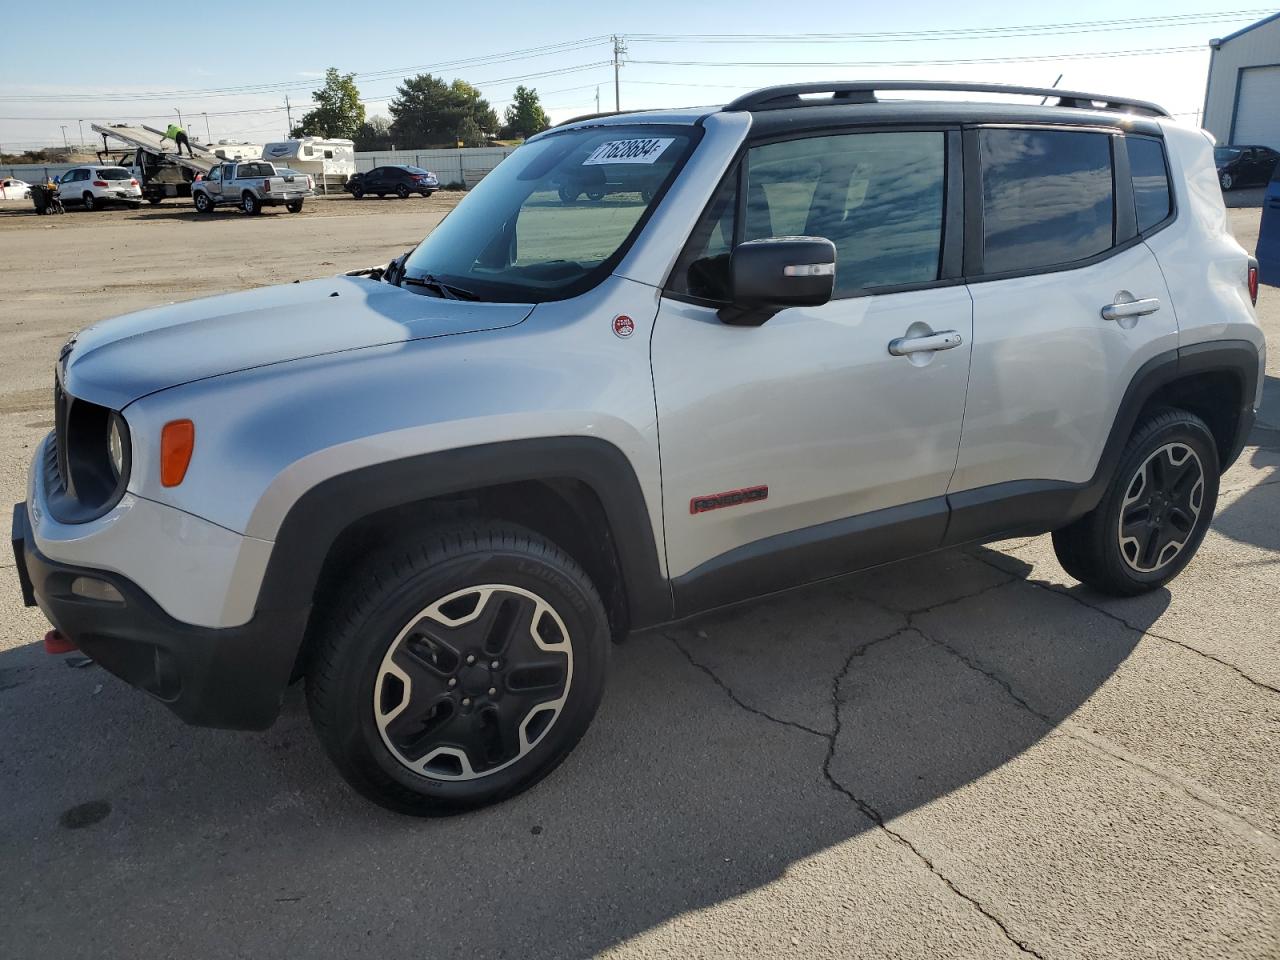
{"x": 11, "y": 188}
{"x": 97, "y": 187}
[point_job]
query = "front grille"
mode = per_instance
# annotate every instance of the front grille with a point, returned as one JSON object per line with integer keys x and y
{"x": 61, "y": 413}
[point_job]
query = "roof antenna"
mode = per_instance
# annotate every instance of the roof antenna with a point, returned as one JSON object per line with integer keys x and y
{"x": 1051, "y": 87}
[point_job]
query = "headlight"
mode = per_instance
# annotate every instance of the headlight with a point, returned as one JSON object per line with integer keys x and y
{"x": 115, "y": 446}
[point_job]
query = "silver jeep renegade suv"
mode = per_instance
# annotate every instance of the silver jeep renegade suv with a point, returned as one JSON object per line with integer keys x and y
{"x": 653, "y": 364}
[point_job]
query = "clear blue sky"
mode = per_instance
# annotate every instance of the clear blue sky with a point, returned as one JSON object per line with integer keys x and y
{"x": 171, "y": 62}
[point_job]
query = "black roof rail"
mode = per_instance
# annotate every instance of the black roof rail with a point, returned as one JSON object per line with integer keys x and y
{"x": 864, "y": 91}
{"x": 595, "y": 116}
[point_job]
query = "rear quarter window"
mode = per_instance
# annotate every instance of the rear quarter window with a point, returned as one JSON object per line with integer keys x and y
{"x": 1150, "y": 181}
{"x": 1047, "y": 198}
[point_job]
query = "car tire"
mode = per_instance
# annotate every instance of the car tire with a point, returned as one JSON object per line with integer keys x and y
{"x": 203, "y": 203}
{"x": 426, "y": 193}
{"x": 595, "y": 196}
{"x": 155, "y": 201}
{"x": 503, "y": 639}
{"x": 250, "y": 204}
{"x": 382, "y": 196}
{"x": 567, "y": 194}
{"x": 90, "y": 201}
{"x": 1155, "y": 512}
{"x": 294, "y": 206}
{"x": 357, "y": 193}
{"x": 1227, "y": 181}
{"x": 402, "y": 192}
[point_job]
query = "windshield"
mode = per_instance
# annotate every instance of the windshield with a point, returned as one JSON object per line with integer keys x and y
{"x": 114, "y": 173}
{"x": 555, "y": 212}
{"x": 1224, "y": 154}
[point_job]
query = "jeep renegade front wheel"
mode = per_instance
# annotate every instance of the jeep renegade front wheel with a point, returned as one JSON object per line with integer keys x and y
{"x": 1155, "y": 512}
{"x": 459, "y": 670}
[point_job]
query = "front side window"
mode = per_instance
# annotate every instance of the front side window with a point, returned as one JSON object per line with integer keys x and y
{"x": 1150, "y": 181}
{"x": 879, "y": 197}
{"x": 551, "y": 215}
{"x": 1046, "y": 198}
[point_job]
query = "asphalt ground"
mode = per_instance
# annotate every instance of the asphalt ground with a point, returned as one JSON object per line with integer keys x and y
{"x": 966, "y": 755}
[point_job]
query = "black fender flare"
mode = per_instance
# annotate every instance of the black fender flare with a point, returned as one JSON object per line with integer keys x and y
{"x": 1034, "y": 506}
{"x": 316, "y": 520}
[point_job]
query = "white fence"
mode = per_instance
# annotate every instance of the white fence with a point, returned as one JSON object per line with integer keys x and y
{"x": 34, "y": 172}
{"x": 466, "y": 166}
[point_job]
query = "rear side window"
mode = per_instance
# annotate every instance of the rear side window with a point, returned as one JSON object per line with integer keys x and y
{"x": 1047, "y": 198}
{"x": 1150, "y": 181}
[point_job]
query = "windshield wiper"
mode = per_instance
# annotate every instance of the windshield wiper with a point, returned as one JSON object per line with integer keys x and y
{"x": 448, "y": 291}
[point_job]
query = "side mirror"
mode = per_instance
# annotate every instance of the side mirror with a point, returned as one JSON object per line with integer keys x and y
{"x": 766, "y": 276}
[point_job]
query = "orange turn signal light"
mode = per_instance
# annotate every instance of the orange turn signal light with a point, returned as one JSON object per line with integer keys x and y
{"x": 177, "y": 441}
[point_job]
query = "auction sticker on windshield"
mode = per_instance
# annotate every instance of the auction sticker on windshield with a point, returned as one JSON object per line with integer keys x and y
{"x": 628, "y": 151}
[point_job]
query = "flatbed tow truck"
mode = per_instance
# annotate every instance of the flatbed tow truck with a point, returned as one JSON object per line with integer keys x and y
{"x": 162, "y": 172}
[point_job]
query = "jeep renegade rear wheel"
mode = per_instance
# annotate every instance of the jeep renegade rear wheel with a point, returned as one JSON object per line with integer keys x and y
{"x": 459, "y": 670}
{"x": 1155, "y": 513}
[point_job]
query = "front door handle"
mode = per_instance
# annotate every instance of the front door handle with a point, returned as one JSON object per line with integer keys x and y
{"x": 905, "y": 346}
{"x": 1123, "y": 310}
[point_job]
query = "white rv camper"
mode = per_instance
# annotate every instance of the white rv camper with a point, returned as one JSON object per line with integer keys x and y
{"x": 236, "y": 150}
{"x": 330, "y": 162}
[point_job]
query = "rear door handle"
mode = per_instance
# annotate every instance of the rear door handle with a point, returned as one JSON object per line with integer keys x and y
{"x": 1133, "y": 308}
{"x": 946, "y": 340}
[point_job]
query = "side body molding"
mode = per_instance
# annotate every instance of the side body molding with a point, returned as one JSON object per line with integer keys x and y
{"x": 1020, "y": 507}
{"x": 1035, "y": 506}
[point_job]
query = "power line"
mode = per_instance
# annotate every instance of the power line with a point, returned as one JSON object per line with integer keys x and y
{"x": 283, "y": 86}
{"x": 908, "y": 36}
{"x": 845, "y": 64}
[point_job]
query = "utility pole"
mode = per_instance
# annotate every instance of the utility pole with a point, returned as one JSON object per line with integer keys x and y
{"x": 81, "y": 122}
{"x": 179, "y": 113}
{"x": 66, "y": 146}
{"x": 597, "y": 98}
{"x": 208, "y": 135}
{"x": 289, "y": 115}
{"x": 619, "y": 49}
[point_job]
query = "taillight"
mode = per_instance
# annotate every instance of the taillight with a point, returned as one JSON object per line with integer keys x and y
{"x": 100, "y": 183}
{"x": 133, "y": 183}
{"x": 1253, "y": 283}
{"x": 266, "y": 186}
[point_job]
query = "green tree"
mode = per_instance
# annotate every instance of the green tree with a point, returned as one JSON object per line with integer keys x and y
{"x": 374, "y": 134}
{"x": 525, "y": 115}
{"x": 338, "y": 111}
{"x": 427, "y": 111}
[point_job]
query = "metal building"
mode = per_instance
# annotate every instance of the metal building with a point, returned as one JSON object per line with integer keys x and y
{"x": 1242, "y": 98}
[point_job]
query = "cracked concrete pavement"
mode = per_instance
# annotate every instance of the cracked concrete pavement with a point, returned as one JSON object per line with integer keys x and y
{"x": 965, "y": 755}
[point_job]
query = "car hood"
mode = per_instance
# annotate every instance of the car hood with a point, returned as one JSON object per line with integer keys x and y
{"x": 118, "y": 361}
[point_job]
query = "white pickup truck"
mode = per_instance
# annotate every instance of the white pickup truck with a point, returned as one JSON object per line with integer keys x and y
{"x": 251, "y": 185}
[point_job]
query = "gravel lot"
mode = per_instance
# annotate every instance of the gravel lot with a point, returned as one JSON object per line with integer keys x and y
{"x": 967, "y": 755}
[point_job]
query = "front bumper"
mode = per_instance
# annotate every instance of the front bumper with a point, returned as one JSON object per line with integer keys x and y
{"x": 230, "y": 677}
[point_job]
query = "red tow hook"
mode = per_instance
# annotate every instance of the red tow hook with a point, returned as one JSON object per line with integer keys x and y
{"x": 55, "y": 641}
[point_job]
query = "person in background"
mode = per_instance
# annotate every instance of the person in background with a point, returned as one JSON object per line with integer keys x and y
{"x": 178, "y": 136}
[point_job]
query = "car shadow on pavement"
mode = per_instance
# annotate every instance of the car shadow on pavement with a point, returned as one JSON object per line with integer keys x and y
{"x": 727, "y": 750}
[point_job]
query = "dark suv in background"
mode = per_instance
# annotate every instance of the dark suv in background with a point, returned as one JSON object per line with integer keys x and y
{"x": 1241, "y": 165}
{"x": 401, "y": 180}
